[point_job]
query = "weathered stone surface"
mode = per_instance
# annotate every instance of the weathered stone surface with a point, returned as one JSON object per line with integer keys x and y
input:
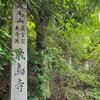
{"x": 19, "y": 45}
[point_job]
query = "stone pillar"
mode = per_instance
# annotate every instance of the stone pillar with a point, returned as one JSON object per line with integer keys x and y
{"x": 19, "y": 46}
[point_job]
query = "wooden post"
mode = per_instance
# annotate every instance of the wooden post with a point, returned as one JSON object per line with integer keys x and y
{"x": 19, "y": 45}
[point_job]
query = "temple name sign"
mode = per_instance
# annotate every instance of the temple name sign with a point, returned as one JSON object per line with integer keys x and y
{"x": 19, "y": 46}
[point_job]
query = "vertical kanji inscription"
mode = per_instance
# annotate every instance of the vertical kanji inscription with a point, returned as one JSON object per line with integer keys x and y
{"x": 19, "y": 46}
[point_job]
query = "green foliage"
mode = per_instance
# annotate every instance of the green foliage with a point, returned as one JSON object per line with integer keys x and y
{"x": 5, "y": 52}
{"x": 72, "y": 32}
{"x": 71, "y": 41}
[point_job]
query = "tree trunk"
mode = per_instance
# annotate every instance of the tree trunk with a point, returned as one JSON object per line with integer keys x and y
{"x": 40, "y": 47}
